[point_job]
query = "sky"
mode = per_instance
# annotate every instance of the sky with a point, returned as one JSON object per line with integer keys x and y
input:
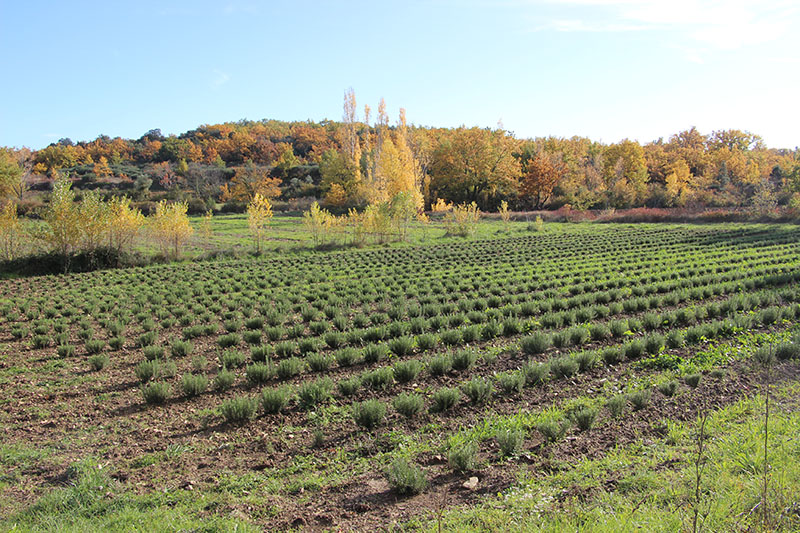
{"x": 603, "y": 69}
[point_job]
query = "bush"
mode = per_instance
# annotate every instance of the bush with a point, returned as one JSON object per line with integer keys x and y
{"x": 380, "y": 378}
{"x": 693, "y": 380}
{"x": 478, "y": 390}
{"x": 439, "y": 365}
{"x": 510, "y": 441}
{"x": 369, "y": 414}
{"x": 92, "y": 347}
{"x": 668, "y": 388}
{"x": 640, "y": 399}
{"x": 65, "y": 350}
{"x": 535, "y": 344}
{"x": 193, "y": 384}
{"x": 406, "y": 371}
{"x": 238, "y": 409}
{"x": 511, "y": 382}
{"x": 444, "y": 399}
{"x": 405, "y": 478}
{"x": 228, "y": 341}
{"x": 260, "y": 354}
{"x": 511, "y": 326}
{"x": 146, "y": 370}
{"x": 259, "y": 373}
{"x": 654, "y": 343}
{"x": 616, "y": 405}
{"x": 401, "y": 346}
{"x": 373, "y": 353}
{"x": 98, "y": 362}
{"x": 252, "y": 337}
{"x": 274, "y": 400}
{"x": 787, "y": 350}
{"x": 155, "y": 392}
{"x": 288, "y": 368}
{"x": 599, "y": 332}
{"x": 536, "y": 373}
{"x": 334, "y": 339}
{"x": 147, "y": 339}
{"x": 427, "y": 341}
{"x": 348, "y": 387}
{"x": 463, "y": 359}
{"x": 634, "y": 349}
{"x": 314, "y": 393}
{"x": 563, "y": 367}
{"x": 181, "y": 348}
{"x": 612, "y": 355}
{"x": 231, "y": 359}
{"x": 318, "y": 362}
{"x": 675, "y": 339}
{"x": 586, "y": 360}
{"x": 579, "y": 335}
{"x": 116, "y": 343}
{"x": 463, "y": 458}
{"x": 408, "y": 404}
{"x": 553, "y": 429}
{"x": 224, "y": 380}
{"x": 584, "y": 418}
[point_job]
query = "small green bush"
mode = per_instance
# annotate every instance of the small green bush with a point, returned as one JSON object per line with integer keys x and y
{"x": 478, "y": 390}
{"x": 151, "y": 353}
{"x": 65, "y": 350}
{"x": 693, "y": 379}
{"x": 228, "y": 341}
{"x": 314, "y": 393}
{"x": 463, "y": 359}
{"x": 232, "y": 359}
{"x": 346, "y": 357}
{"x": 535, "y": 344}
{"x": 259, "y": 373}
{"x": 408, "y": 404}
{"x": 511, "y": 382}
{"x": 463, "y": 458}
{"x": 553, "y": 429}
{"x": 261, "y": 354}
{"x": 369, "y": 414}
{"x": 586, "y": 360}
{"x": 640, "y": 399}
{"x": 180, "y": 348}
{"x": 98, "y": 362}
{"x": 224, "y": 379}
{"x": 668, "y": 388}
{"x": 380, "y": 378}
{"x": 288, "y": 368}
{"x": 563, "y": 367}
{"x": 634, "y": 349}
{"x": 155, "y": 392}
{"x": 401, "y": 346}
{"x": 193, "y": 384}
{"x": 440, "y": 365}
{"x": 274, "y": 400}
{"x": 405, "y": 478}
{"x": 510, "y": 441}
{"x": 407, "y": 371}
{"x": 318, "y": 362}
{"x": 584, "y": 418}
{"x": 444, "y": 399}
{"x": 374, "y": 353}
{"x": 238, "y": 409}
{"x": 146, "y": 370}
{"x": 349, "y": 386}
{"x": 616, "y": 405}
{"x": 536, "y": 373}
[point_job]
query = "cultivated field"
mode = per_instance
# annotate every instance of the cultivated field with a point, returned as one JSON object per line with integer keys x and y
{"x": 595, "y": 377}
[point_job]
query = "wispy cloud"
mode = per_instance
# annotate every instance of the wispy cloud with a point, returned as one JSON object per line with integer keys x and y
{"x": 718, "y": 24}
{"x": 219, "y": 79}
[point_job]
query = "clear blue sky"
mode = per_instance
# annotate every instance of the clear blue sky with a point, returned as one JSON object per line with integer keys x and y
{"x": 605, "y": 69}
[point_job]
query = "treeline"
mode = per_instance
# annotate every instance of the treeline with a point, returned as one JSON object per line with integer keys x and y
{"x": 359, "y": 161}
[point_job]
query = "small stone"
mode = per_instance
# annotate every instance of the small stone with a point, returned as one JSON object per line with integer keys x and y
{"x": 471, "y": 483}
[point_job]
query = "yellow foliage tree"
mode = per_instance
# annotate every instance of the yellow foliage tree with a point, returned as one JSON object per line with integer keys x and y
{"x": 462, "y": 220}
{"x": 205, "y": 229}
{"x": 62, "y": 229}
{"x": 336, "y": 196}
{"x": 170, "y": 227}
{"x": 441, "y": 206}
{"x": 10, "y": 231}
{"x": 101, "y": 168}
{"x": 93, "y": 218}
{"x": 505, "y": 214}
{"x": 319, "y": 222}
{"x": 259, "y": 213}
{"x": 124, "y": 223}
{"x": 678, "y": 182}
{"x": 248, "y": 181}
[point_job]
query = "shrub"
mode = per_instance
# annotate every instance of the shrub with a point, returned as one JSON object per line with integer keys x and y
{"x": 640, "y": 399}
{"x": 511, "y": 382}
{"x": 536, "y": 373}
{"x": 510, "y": 441}
{"x": 346, "y": 357}
{"x": 65, "y": 350}
{"x": 231, "y": 359}
{"x": 260, "y": 354}
{"x": 373, "y": 353}
{"x": 427, "y": 341}
{"x": 224, "y": 380}
{"x": 478, "y": 390}
{"x": 92, "y": 346}
{"x": 155, "y": 392}
{"x": 634, "y": 349}
{"x": 668, "y": 388}
{"x": 439, "y": 365}
{"x": 228, "y": 341}
{"x": 348, "y": 387}
{"x": 252, "y": 337}
{"x": 618, "y": 327}
{"x": 116, "y": 343}
{"x": 616, "y": 405}
{"x": 675, "y": 339}
{"x": 151, "y": 353}
{"x": 463, "y": 359}
{"x": 380, "y": 378}
{"x": 193, "y": 384}
{"x": 146, "y": 370}
{"x": 334, "y": 339}
{"x": 450, "y": 337}
{"x": 787, "y": 350}
{"x": 444, "y": 399}
{"x": 98, "y": 362}
{"x": 288, "y": 368}
{"x": 535, "y": 344}
{"x": 406, "y": 371}
{"x": 408, "y": 404}
{"x": 401, "y": 346}
{"x": 369, "y": 414}
{"x": 586, "y": 360}
{"x": 654, "y": 343}
{"x": 238, "y": 409}
{"x": 578, "y": 335}
{"x": 405, "y": 478}
{"x": 147, "y": 339}
{"x": 599, "y": 332}
{"x": 180, "y": 348}
{"x": 254, "y": 323}
{"x": 584, "y": 418}
{"x": 314, "y": 393}
{"x": 463, "y": 458}
{"x": 693, "y": 380}
{"x": 612, "y": 355}
{"x": 490, "y": 330}
{"x": 275, "y": 399}
{"x": 259, "y": 373}
{"x": 511, "y": 326}
{"x": 553, "y": 429}
{"x": 563, "y": 367}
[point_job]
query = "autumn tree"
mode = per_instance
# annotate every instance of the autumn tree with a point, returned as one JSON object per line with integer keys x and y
{"x": 541, "y": 172}
{"x": 678, "y": 183}
{"x": 170, "y": 227}
{"x": 62, "y": 229}
{"x": 259, "y": 213}
{"x": 340, "y": 175}
{"x": 625, "y": 173}
{"x": 101, "y": 168}
{"x": 10, "y": 231}
{"x": 474, "y": 165}
{"x": 248, "y": 181}
{"x": 11, "y": 175}
{"x": 93, "y": 219}
{"x": 125, "y": 223}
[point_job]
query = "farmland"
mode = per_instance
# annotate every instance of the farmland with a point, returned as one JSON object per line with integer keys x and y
{"x": 549, "y": 379}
